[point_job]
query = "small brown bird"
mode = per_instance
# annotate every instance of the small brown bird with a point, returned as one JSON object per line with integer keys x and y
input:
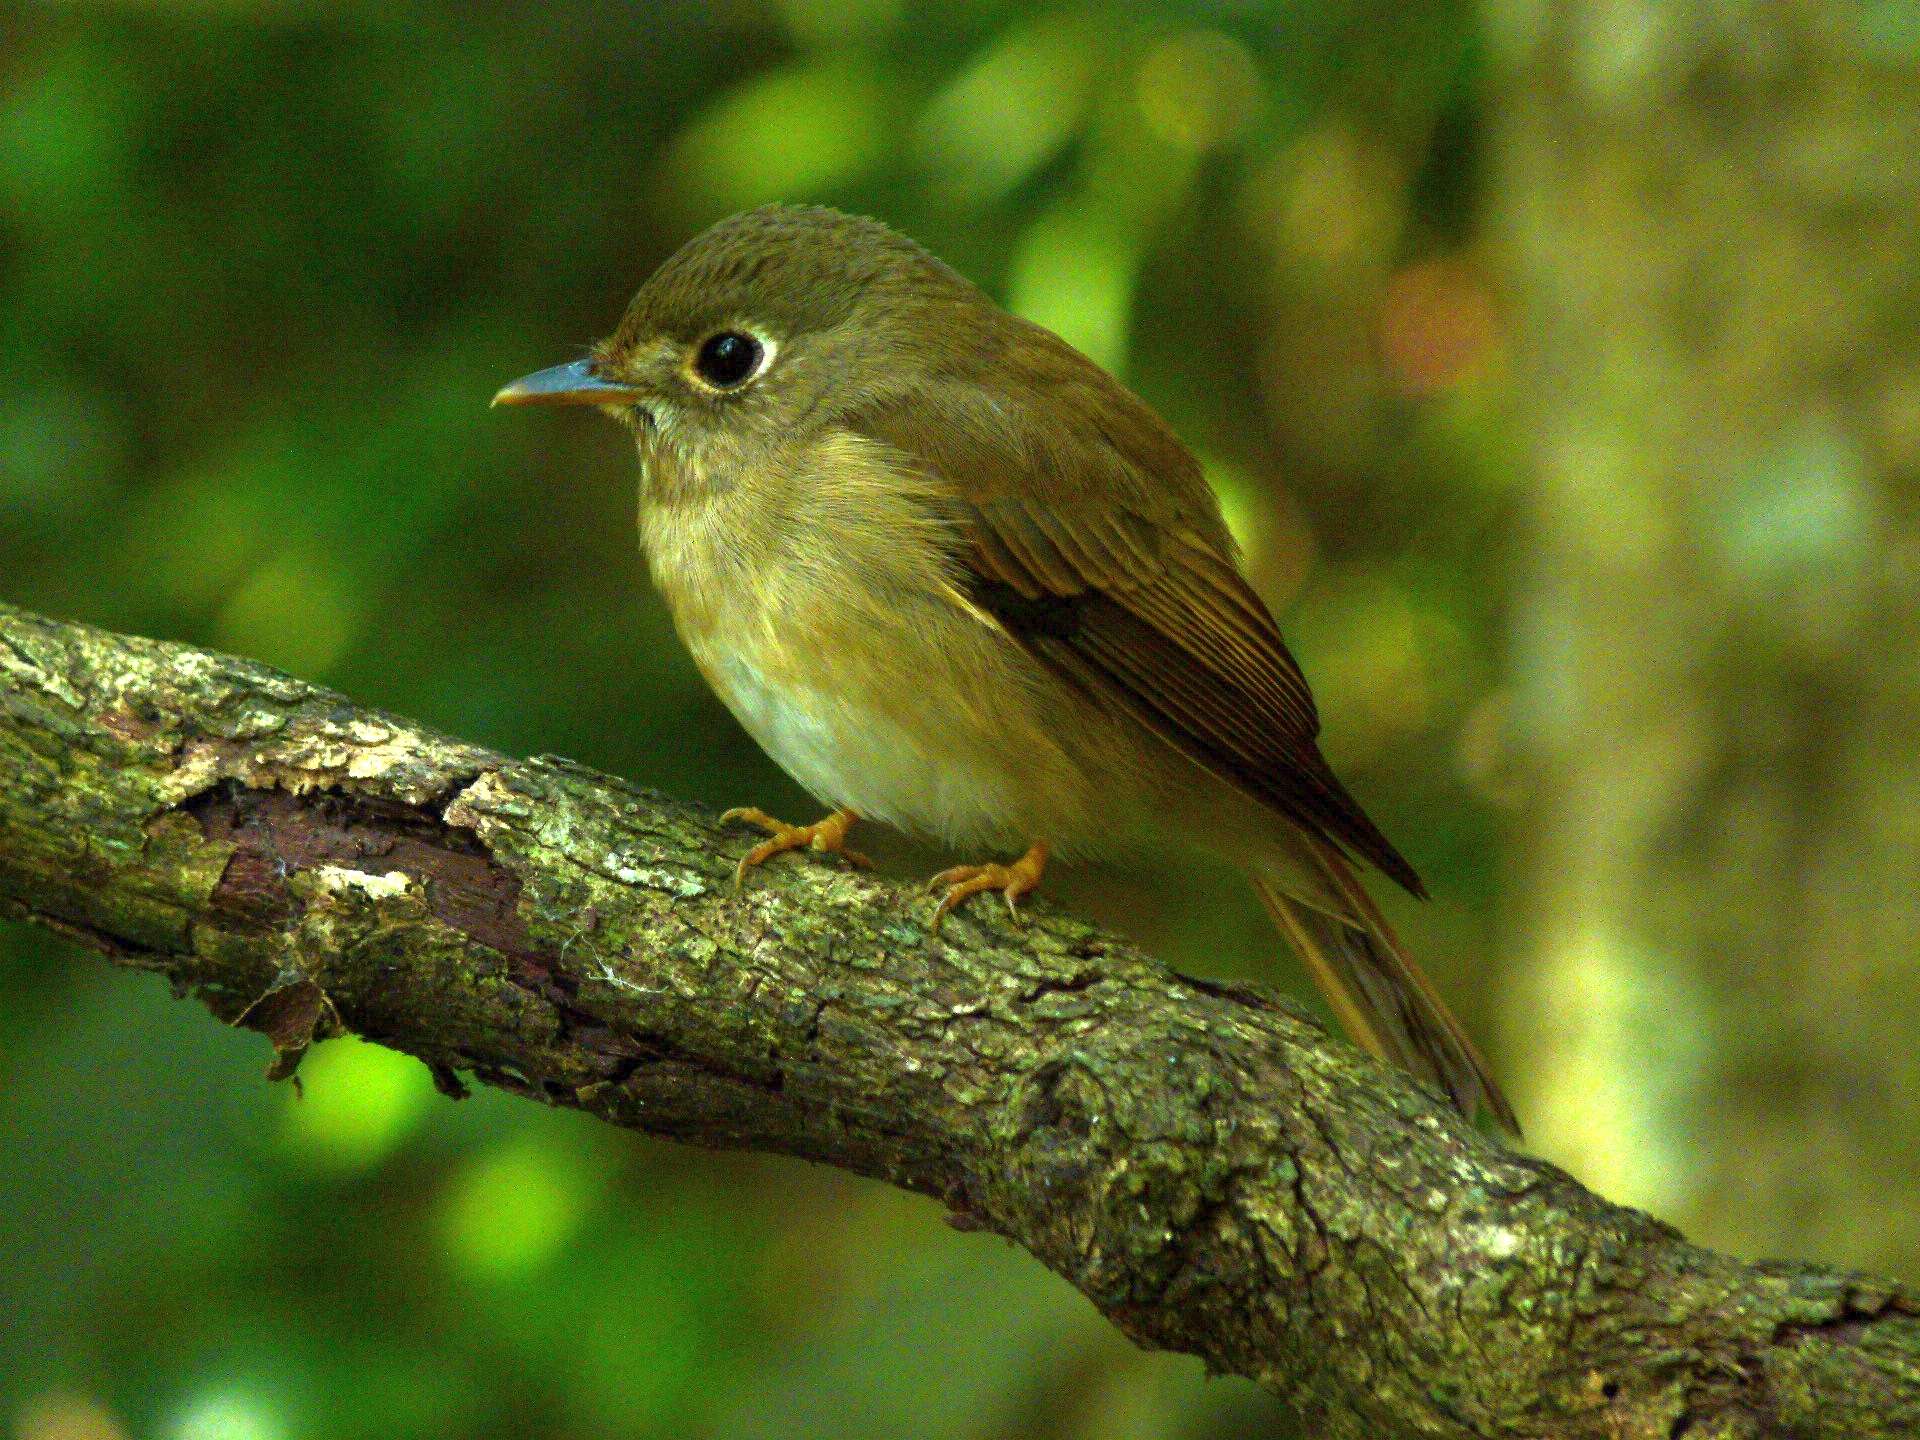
{"x": 954, "y": 577}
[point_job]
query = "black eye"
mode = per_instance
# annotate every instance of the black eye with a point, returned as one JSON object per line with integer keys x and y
{"x": 727, "y": 359}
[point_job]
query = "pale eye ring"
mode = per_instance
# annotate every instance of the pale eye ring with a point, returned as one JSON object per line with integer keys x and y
{"x": 728, "y": 359}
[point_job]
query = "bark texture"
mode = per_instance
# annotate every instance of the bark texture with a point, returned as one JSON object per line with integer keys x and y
{"x": 1715, "y": 239}
{"x": 1209, "y": 1168}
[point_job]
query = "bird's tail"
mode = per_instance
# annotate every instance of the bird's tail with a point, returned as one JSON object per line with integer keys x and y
{"x": 1380, "y": 995}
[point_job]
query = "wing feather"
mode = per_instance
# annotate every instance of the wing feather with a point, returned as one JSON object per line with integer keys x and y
{"x": 1096, "y": 544}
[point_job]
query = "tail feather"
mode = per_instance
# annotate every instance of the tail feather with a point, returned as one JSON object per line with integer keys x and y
{"x": 1380, "y": 996}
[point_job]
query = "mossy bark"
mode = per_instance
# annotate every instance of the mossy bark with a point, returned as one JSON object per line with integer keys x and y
{"x": 1209, "y": 1168}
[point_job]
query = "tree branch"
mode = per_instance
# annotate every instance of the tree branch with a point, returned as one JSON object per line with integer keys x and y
{"x": 1206, "y": 1166}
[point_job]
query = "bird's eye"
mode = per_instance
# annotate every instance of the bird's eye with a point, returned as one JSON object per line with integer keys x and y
{"x": 728, "y": 359}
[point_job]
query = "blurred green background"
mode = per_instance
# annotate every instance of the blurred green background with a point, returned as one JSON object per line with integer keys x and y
{"x": 1533, "y": 374}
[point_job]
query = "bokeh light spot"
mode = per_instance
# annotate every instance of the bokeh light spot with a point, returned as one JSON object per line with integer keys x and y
{"x": 295, "y": 611}
{"x": 1437, "y": 326}
{"x": 65, "y": 1415}
{"x": 1805, "y": 510}
{"x": 514, "y": 1208}
{"x": 1008, "y": 112}
{"x": 227, "y": 1412}
{"x": 1331, "y": 199}
{"x": 1630, "y": 1032}
{"x": 785, "y": 135}
{"x": 1198, "y": 90}
{"x": 1380, "y": 660}
{"x": 1074, "y": 273}
{"x": 356, "y": 1104}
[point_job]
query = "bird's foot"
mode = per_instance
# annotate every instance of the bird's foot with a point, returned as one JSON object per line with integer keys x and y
{"x": 1012, "y": 881}
{"x": 828, "y": 835}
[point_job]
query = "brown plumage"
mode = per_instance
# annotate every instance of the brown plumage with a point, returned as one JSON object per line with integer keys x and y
{"x": 954, "y": 576}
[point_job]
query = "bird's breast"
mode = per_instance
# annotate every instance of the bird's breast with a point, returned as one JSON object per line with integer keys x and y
{"x": 823, "y": 614}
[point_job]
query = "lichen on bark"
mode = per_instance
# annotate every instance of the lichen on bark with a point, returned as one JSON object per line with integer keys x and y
{"x": 1211, "y": 1169}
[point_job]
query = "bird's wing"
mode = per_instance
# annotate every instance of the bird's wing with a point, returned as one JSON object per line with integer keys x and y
{"x": 1089, "y": 535}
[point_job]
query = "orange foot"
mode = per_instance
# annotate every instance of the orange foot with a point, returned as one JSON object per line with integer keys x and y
{"x": 829, "y": 835}
{"x": 1012, "y": 881}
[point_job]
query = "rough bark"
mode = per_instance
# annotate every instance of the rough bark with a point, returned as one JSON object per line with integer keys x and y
{"x": 1208, "y": 1167}
{"x": 1716, "y": 245}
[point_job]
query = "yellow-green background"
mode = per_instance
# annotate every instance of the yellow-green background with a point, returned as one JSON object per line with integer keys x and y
{"x": 261, "y": 266}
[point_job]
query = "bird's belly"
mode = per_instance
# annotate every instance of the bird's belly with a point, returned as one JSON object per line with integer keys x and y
{"x": 909, "y": 765}
{"x": 843, "y": 652}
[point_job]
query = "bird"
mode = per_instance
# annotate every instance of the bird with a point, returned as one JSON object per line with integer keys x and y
{"x": 956, "y": 578}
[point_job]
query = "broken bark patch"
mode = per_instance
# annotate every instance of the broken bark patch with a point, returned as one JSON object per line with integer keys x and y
{"x": 292, "y": 1016}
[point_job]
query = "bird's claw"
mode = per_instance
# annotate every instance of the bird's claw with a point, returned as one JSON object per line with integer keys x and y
{"x": 962, "y": 882}
{"x": 828, "y": 835}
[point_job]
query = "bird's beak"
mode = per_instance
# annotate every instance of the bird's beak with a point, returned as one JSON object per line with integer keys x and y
{"x": 576, "y": 383}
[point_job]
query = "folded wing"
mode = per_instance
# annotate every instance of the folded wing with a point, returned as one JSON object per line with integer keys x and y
{"x": 1088, "y": 533}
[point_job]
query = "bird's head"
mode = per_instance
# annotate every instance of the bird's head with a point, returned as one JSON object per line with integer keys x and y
{"x": 761, "y": 330}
